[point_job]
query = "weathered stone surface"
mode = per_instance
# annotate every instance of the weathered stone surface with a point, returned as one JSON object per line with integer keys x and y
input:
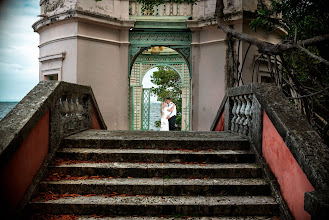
{"x": 160, "y": 205}
{"x": 154, "y": 139}
{"x": 21, "y": 120}
{"x": 316, "y": 203}
{"x": 301, "y": 139}
{"x": 18, "y": 123}
{"x": 157, "y": 155}
{"x": 177, "y": 217}
{"x": 156, "y": 173}
{"x": 150, "y": 170}
{"x": 166, "y": 187}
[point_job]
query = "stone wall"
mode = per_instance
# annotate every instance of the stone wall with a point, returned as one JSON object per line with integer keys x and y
{"x": 296, "y": 144}
{"x": 32, "y": 131}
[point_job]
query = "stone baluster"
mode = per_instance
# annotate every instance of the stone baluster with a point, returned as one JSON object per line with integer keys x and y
{"x": 235, "y": 105}
{"x": 130, "y": 8}
{"x": 164, "y": 13}
{"x": 237, "y": 112}
{"x": 85, "y": 110}
{"x": 242, "y": 115}
{"x": 247, "y": 113}
{"x": 79, "y": 112}
{"x": 171, "y": 9}
{"x": 66, "y": 112}
{"x": 75, "y": 113}
{"x": 71, "y": 113}
{"x": 62, "y": 115}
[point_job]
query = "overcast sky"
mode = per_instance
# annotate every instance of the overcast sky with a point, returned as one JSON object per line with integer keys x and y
{"x": 148, "y": 84}
{"x": 19, "y": 65}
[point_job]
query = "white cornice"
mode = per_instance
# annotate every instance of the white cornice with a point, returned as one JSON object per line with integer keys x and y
{"x": 83, "y": 16}
{"x": 59, "y": 56}
{"x": 84, "y": 37}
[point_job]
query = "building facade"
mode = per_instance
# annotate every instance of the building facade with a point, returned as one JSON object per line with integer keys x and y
{"x": 100, "y": 44}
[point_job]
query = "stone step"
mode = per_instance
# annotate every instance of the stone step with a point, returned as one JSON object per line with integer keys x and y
{"x": 167, "y": 170}
{"x": 167, "y": 187}
{"x": 156, "y": 155}
{"x": 177, "y": 217}
{"x": 159, "y": 205}
{"x": 156, "y": 139}
{"x": 168, "y": 217}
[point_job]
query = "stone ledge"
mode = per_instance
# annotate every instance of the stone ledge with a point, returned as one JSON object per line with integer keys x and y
{"x": 304, "y": 143}
{"x": 316, "y": 203}
{"x": 22, "y": 119}
{"x": 18, "y": 123}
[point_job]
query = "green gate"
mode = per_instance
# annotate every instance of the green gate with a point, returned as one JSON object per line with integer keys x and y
{"x": 140, "y": 63}
{"x": 146, "y": 107}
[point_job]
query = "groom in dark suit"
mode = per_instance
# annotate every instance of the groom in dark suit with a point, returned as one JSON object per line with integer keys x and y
{"x": 172, "y": 116}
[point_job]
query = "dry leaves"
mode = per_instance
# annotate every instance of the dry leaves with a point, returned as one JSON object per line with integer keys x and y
{"x": 46, "y": 196}
{"x": 61, "y": 176}
{"x": 53, "y": 217}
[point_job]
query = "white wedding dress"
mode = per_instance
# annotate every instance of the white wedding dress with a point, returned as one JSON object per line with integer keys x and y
{"x": 164, "y": 120}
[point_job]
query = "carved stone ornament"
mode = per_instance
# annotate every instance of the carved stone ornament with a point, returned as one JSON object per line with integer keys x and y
{"x": 52, "y": 5}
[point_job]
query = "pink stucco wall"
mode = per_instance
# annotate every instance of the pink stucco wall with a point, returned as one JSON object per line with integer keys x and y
{"x": 94, "y": 120}
{"x": 18, "y": 174}
{"x": 293, "y": 181}
{"x": 221, "y": 122}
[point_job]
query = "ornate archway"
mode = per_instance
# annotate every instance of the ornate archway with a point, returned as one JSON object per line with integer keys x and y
{"x": 141, "y": 62}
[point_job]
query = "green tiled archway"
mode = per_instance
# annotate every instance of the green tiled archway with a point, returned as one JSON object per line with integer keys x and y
{"x": 140, "y": 63}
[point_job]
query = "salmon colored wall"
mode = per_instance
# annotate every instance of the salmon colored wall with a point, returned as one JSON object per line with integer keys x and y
{"x": 94, "y": 120}
{"x": 221, "y": 122}
{"x": 19, "y": 172}
{"x": 293, "y": 181}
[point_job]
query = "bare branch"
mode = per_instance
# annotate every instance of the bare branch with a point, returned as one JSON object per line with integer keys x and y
{"x": 320, "y": 59}
{"x": 263, "y": 46}
{"x": 309, "y": 95}
{"x": 314, "y": 40}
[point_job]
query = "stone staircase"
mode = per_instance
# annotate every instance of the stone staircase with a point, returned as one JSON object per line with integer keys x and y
{"x": 152, "y": 175}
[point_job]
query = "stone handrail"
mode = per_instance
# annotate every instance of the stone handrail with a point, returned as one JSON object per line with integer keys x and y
{"x": 51, "y": 111}
{"x": 244, "y": 109}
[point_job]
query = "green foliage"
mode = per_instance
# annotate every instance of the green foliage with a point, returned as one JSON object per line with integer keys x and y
{"x": 310, "y": 17}
{"x": 266, "y": 17}
{"x": 169, "y": 85}
{"x": 302, "y": 19}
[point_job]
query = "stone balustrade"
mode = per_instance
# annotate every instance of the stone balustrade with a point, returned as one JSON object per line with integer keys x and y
{"x": 241, "y": 112}
{"x": 75, "y": 113}
{"x": 287, "y": 148}
{"x": 32, "y": 131}
{"x": 166, "y": 9}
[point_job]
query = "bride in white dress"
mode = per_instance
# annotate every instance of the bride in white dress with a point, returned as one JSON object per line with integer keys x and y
{"x": 164, "y": 120}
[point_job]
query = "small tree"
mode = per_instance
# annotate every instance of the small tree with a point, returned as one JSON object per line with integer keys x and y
{"x": 169, "y": 85}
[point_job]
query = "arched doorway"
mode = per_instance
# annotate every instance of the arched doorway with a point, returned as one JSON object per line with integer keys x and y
{"x": 139, "y": 98}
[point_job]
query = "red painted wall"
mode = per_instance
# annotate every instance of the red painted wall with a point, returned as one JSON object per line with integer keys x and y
{"x": 19, "y": 172}
{"x": 221, "y": 122}
{"x": 293, "y": 181}
{"x": 94, "y": 120}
